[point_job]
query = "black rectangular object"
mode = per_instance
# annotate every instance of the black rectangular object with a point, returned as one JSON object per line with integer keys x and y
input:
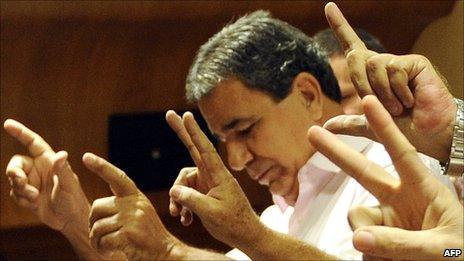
{"x": 147, "y": 149}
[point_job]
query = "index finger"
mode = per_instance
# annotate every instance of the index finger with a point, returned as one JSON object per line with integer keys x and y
{"x": 370, "y": 175}
{"x": 212, "y": 163}
{"x": 120, "y": 183}
{"x": 176, "y": 124}
{"x": 345, "y": 34}
{"x": 34, "y": 143}
{"x": 404, "y": 156}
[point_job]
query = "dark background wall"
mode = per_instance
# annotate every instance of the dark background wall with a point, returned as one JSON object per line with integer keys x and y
{"x": 67, "y": 66}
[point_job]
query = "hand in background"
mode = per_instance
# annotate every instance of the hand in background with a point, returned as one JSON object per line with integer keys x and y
{"x": 127, "y": 221}
{"x": 418, "y": 217}
{"x": 407, "y": 85}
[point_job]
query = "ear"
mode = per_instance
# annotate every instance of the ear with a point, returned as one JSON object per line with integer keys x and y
{"x": 309, "y": 89}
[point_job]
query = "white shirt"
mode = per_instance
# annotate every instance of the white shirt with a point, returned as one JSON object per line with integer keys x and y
{"x": 323, "y": 221}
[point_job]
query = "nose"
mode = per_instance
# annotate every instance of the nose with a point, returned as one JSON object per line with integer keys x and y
{"x": 238, "y": 154}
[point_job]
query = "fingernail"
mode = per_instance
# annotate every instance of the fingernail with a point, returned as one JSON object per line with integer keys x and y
{"x": 90, "y": 158}
{"x": 329, "y": 123}
{"x": 364, "y": 240}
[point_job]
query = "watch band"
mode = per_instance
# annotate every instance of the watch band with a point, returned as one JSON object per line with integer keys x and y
{"x": 455, "y": 164}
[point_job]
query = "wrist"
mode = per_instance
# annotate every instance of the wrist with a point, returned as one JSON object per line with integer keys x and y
{"x": 257, "y": 240}
{"x": 78, "y": 225}
{"x": 175, "y": 249}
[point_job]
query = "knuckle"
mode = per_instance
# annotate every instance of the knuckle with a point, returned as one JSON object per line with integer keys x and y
{"x": 422, "y": 58}
{"x": 405, "y": 155}
{"x": 354, "y": 55}
{"x": 139, "y": 214}
{"x": 373, "y": 64}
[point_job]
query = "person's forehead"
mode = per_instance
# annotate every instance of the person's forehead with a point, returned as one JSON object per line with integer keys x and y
{"x": 230, "y": 101}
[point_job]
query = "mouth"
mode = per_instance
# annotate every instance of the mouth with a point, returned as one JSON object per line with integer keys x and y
{"x": 259, "y": 176}
{"x": 263, "y": 179}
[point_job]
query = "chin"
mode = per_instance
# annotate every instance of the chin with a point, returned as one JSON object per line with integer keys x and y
{"x": 280, "y": 187}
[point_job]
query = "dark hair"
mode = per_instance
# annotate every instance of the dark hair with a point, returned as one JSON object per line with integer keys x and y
{"x": 263, "y": 53}
{"x": 327, "y": 40}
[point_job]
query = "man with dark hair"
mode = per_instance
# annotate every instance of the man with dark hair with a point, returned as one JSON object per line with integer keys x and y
{"x": 350, "y": 101}
{"x": 260, "y": 84}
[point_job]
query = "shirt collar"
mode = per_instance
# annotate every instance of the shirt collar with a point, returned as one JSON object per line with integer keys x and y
{"x": 322, "y": 163}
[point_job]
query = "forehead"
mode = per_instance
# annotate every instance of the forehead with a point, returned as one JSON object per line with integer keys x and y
{"x": 232, "y": 100}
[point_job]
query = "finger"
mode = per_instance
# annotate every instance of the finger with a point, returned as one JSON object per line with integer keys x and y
{"x": 101, "y": 228}
{"x": 356, "y": 61}
{"x": 183, "y": 180}
{"x": 27, "y": 191}
{"x": 34, "y": 143}
{"x": 368, "y": 174}
{"x": 212, "y": 163}
{"x": 57, "y": 171}
{"x": 399, "y": 79}
{"x": 345, "y": 34}
{"x": 176, "y": 123}
{"x": 120, "y": 183}
{"x": 354, "y": 125}
{"x": 23, "y": 201}
{"x": 186, "y": 216}
{"x": 18, "y": 166}
{"x": 362, "y": 216}
{"x": 394, "y": 243}
{"x": 102, "y": 208}
{"x": 399, "y": 84}
{"x": 402, "y": 153}
{"x": 380, "y": 83}
{"x": 174, "y": 208}
{"x": 192, "y": 199}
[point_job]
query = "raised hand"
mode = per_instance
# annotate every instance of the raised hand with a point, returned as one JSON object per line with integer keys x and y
{"x": 407, "y": 85}
{"x": 44, "y": 182}
{"x": 127, "y": 221}
{"x": 190, "y": 177}
{"x": 217, "y": 197}
{"x": 418, "y": 217}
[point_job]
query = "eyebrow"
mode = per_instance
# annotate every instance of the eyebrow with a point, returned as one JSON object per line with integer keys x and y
{"x": 234, "y": 122}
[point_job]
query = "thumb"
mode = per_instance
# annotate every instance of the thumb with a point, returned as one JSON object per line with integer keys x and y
{"x": 393, "y": 243}
{"x": 59, "y": 162}
{"x": 58, "y": 178}
{"x": 119, "y": 182}
{"x": 192, "y": 199}
{"x": 355, "y": 125}
{"x": 362, "y": 216}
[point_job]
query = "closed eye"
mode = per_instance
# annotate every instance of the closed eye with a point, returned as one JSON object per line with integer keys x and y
{"x": 245, "y": 132}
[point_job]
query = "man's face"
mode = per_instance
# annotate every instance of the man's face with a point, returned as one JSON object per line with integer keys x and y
{"x": 351, "y": 103}
{"x": 265, "y": 137}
